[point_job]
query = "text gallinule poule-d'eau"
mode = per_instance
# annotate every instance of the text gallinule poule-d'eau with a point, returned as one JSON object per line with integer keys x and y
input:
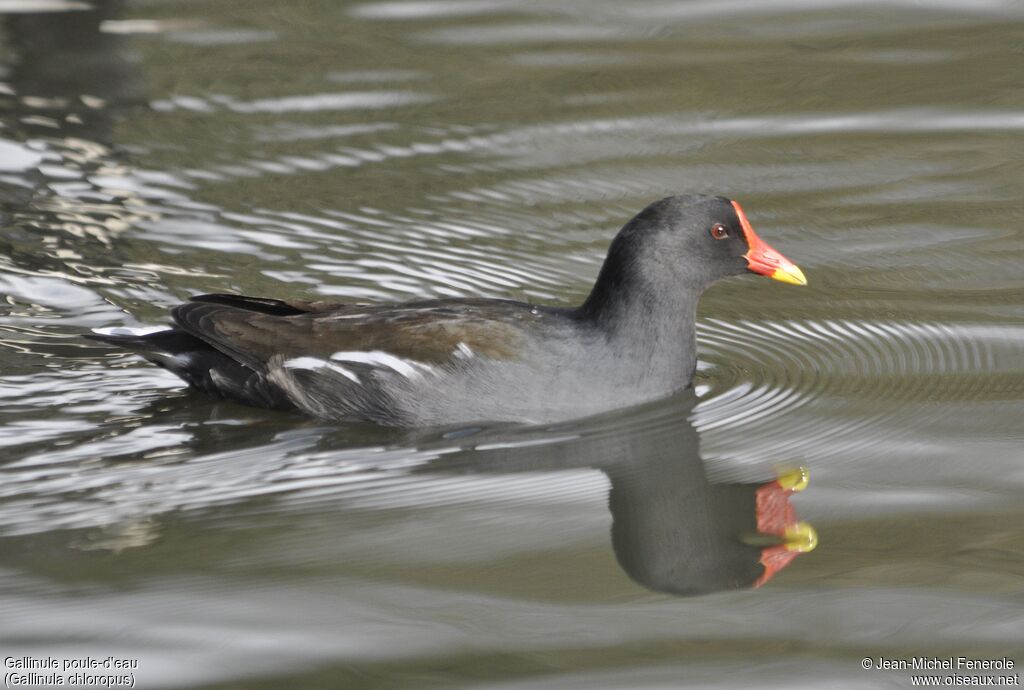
{"x": 445, "y": 361}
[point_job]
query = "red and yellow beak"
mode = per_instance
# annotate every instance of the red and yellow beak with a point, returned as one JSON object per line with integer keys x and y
{"x": 761, "y": 258}
{"x": 777, "y": 518}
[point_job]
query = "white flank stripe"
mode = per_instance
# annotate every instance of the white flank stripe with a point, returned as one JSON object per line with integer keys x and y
{"x": 314, "y": 363}
{"x": 306, "y": 363}
{"x": 377, "y": 358}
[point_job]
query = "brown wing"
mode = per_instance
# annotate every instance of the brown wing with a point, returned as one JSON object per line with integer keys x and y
{"x": 252, "y": 330}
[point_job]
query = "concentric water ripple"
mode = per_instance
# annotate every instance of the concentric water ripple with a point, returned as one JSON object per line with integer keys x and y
{"x": 799, "y": 385}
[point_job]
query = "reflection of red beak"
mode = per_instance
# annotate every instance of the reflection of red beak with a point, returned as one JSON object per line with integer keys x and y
{"x": 761, "y": 258}
{"x": 775, "y": 516}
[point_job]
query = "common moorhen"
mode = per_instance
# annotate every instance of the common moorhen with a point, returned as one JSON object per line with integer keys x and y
{"x": 445, "y": 361}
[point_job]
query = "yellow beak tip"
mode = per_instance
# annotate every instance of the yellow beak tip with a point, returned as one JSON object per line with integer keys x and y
{"x": 801, "y": 537}
{"x": 794, "y": 478}
{"x": 790, "y": 274}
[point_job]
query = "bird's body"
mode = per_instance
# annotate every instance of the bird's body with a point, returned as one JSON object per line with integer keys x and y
{"x": 462, "y": 360}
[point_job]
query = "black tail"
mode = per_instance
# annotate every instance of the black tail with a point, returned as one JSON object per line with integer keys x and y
{"x": 201, "y": 366}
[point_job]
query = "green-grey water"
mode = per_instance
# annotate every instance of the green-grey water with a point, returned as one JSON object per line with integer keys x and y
{"x": 426, "y": 148}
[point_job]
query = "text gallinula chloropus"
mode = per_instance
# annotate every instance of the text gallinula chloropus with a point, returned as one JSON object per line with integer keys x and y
{"x": 444, "y": 361}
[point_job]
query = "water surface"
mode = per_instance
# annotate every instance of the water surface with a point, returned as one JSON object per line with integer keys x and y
{"x": 410, "y": 149}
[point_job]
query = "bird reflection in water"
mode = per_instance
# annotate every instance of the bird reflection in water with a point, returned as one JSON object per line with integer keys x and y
{"x": 674, "y": 530}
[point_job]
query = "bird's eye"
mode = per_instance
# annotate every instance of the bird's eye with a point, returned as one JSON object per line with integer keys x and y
{"x": 719, "y": 231}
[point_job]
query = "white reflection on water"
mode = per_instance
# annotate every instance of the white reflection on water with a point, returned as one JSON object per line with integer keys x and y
{"x": 17, "y": 157}
{"x": 348, "y": 100}
{"x": 35, "y": 6}
{"x": 692, "y": 10}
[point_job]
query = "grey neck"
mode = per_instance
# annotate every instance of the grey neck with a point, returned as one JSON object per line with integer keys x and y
{"x": 653, "y": 337}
